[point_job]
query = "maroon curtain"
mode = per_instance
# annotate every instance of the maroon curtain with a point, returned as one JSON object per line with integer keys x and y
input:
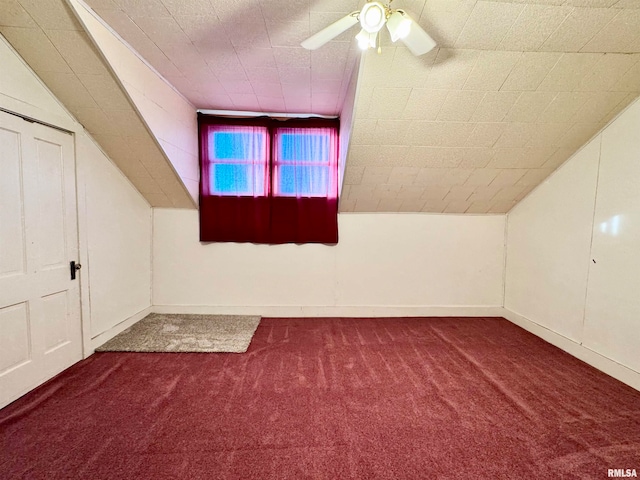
{"x": 273, "y": 215}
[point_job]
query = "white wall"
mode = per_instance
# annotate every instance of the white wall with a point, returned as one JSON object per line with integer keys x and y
{"x": 114, "y": 219}
{"x": 575, "y": 278}
{"x": 117, "y": 222}
{"x": 384, "y": 264}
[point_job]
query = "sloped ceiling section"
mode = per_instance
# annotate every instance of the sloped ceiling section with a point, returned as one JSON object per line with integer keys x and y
{"x": 514, "y": 89}
{"x": 170, "y": 117}
{"x": 48, "y": 36}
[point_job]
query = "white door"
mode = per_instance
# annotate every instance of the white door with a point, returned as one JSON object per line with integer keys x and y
{"x": 40, "y": 325}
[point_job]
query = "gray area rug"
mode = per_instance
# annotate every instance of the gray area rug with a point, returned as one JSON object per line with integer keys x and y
{"x": 186, "y": 333}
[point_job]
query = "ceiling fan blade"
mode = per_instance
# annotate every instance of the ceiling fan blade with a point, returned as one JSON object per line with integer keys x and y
{"x": 330, "y": 32}
{"x": 417, "y": 40}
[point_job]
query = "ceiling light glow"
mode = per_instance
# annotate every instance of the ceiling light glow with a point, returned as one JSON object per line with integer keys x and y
{"x": 373, "y": 17}
{"x": 399, "y": 25}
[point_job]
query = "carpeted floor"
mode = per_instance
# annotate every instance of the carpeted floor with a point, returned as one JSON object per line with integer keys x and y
{"x": 331, "y": 399}
{"x": 186, "y": 333}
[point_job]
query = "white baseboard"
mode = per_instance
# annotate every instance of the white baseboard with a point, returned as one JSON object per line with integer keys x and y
{"x": 335, "y": 310}
{"x": 602, "y": 363}
{"x": 119, "y": 328}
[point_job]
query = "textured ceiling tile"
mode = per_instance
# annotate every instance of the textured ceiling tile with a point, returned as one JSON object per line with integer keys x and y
{"x": 558, "y": 158}
{"x": 431, "y": 193}
{"x": 569, "y": 71}
{"x": 388, "y": 102}
{"x": 482, "y": 177}
{"x": 451, "y": 69}
{"x": 484, "y": 194}
{"x": 440, "y": 177}
{"x": 577, "y": 29}
{"x": 403, "y": 175}
{"x": 14, "y": 15}
{"x": 424, "y": 133}
{"x": 147, "y": 8}
{"x": 434, "y": 206}
{"x": 457, "y": 206}
{"x": 564, "y": 106}
{"x": 68, "y": 89}
{"x": 182, "y": 7}
{"x": 424, "y": 104}
{"x": 495, "y": 106}
{"x": 546, "y": 134}
{"x": 455, "y": 134}
{"x": 291, "y": 57}
{"x": 434, "y": 157}
{"x": 530, "y": 157}
{"x": 411, "y": 192}
{"x": 412, "y": 205}
{"x": 245, "y": 33}
{"x": 530, "y": 70}
{"x": 485, "y": 134}
{"x": 105, "y": 91}
{"x": 353, "y": 175}
{"x": 288, "y": 34}
{"x": 508, "y": 177}
{"x": 578, "y": 135}
{"x": 478, "y": 207}
{"x": 51, "y": 14}
{"x": 515, "y": 135}
{"x": 459, "y": 193}
{"x": 334, "y": 6}
{"x": 607, "y": 72}
{"x": 460, "y": 105}
{"x": 391, "y": 132}
{"x": 385, "y": 191}
{"x": 444, "y": 19}
{"x": 509, "y": 195}
{"x": 476, "y": 157}
{"x": 529, "y": 106}
{"x": 534, "y": 176}
{"x": 600, "y": 106}
{"x": 491, "y": 70}
{"x": 617, "y": 35}
{"x": 630, "y": 81}
{"x": 162, "y": 31}
{"x": 488, "y": 24}
{"x": 533, "y": 27}
{"x": 367, "y": 204}
{"x": 363, "y": 132}
{"x": 36, "y": 48}
{"x": 389, "y": 205}
{"x": 78, "y": 51}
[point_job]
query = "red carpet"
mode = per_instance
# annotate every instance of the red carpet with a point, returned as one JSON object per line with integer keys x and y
{"x": 331, "y": 399}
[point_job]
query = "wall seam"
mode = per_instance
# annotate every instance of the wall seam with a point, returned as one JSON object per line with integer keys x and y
{"x": 593, "y": 224}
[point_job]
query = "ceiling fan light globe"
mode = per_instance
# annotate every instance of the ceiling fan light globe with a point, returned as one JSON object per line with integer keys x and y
{"x": 399, "y": 26}
{"x": 372, "y": 17}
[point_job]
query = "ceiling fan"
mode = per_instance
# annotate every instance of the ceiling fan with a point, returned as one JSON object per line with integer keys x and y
{"x": 372, "y": 17}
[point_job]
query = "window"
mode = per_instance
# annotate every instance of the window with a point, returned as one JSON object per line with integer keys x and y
{"x": 268, "y": 181}
{"x": 303, "y": 160}
{"x": 238, "y": 160}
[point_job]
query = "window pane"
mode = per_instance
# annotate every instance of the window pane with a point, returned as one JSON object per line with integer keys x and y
{"x": 237, "y": 179}
{"x": 237, "y": 146}
{"x": 305, "y": 147}
{"x": 237, "y": 160}
{"x": 303, "y": 180}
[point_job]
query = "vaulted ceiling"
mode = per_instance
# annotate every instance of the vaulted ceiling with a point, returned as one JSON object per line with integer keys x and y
{"x": 512, "y": 90}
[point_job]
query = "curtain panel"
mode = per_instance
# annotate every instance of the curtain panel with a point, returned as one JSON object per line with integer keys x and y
{"x": 268, "y": 181}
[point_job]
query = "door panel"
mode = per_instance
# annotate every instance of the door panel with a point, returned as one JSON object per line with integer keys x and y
{"x": 40, "y": 326}
{"x": 12, "y": 253}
